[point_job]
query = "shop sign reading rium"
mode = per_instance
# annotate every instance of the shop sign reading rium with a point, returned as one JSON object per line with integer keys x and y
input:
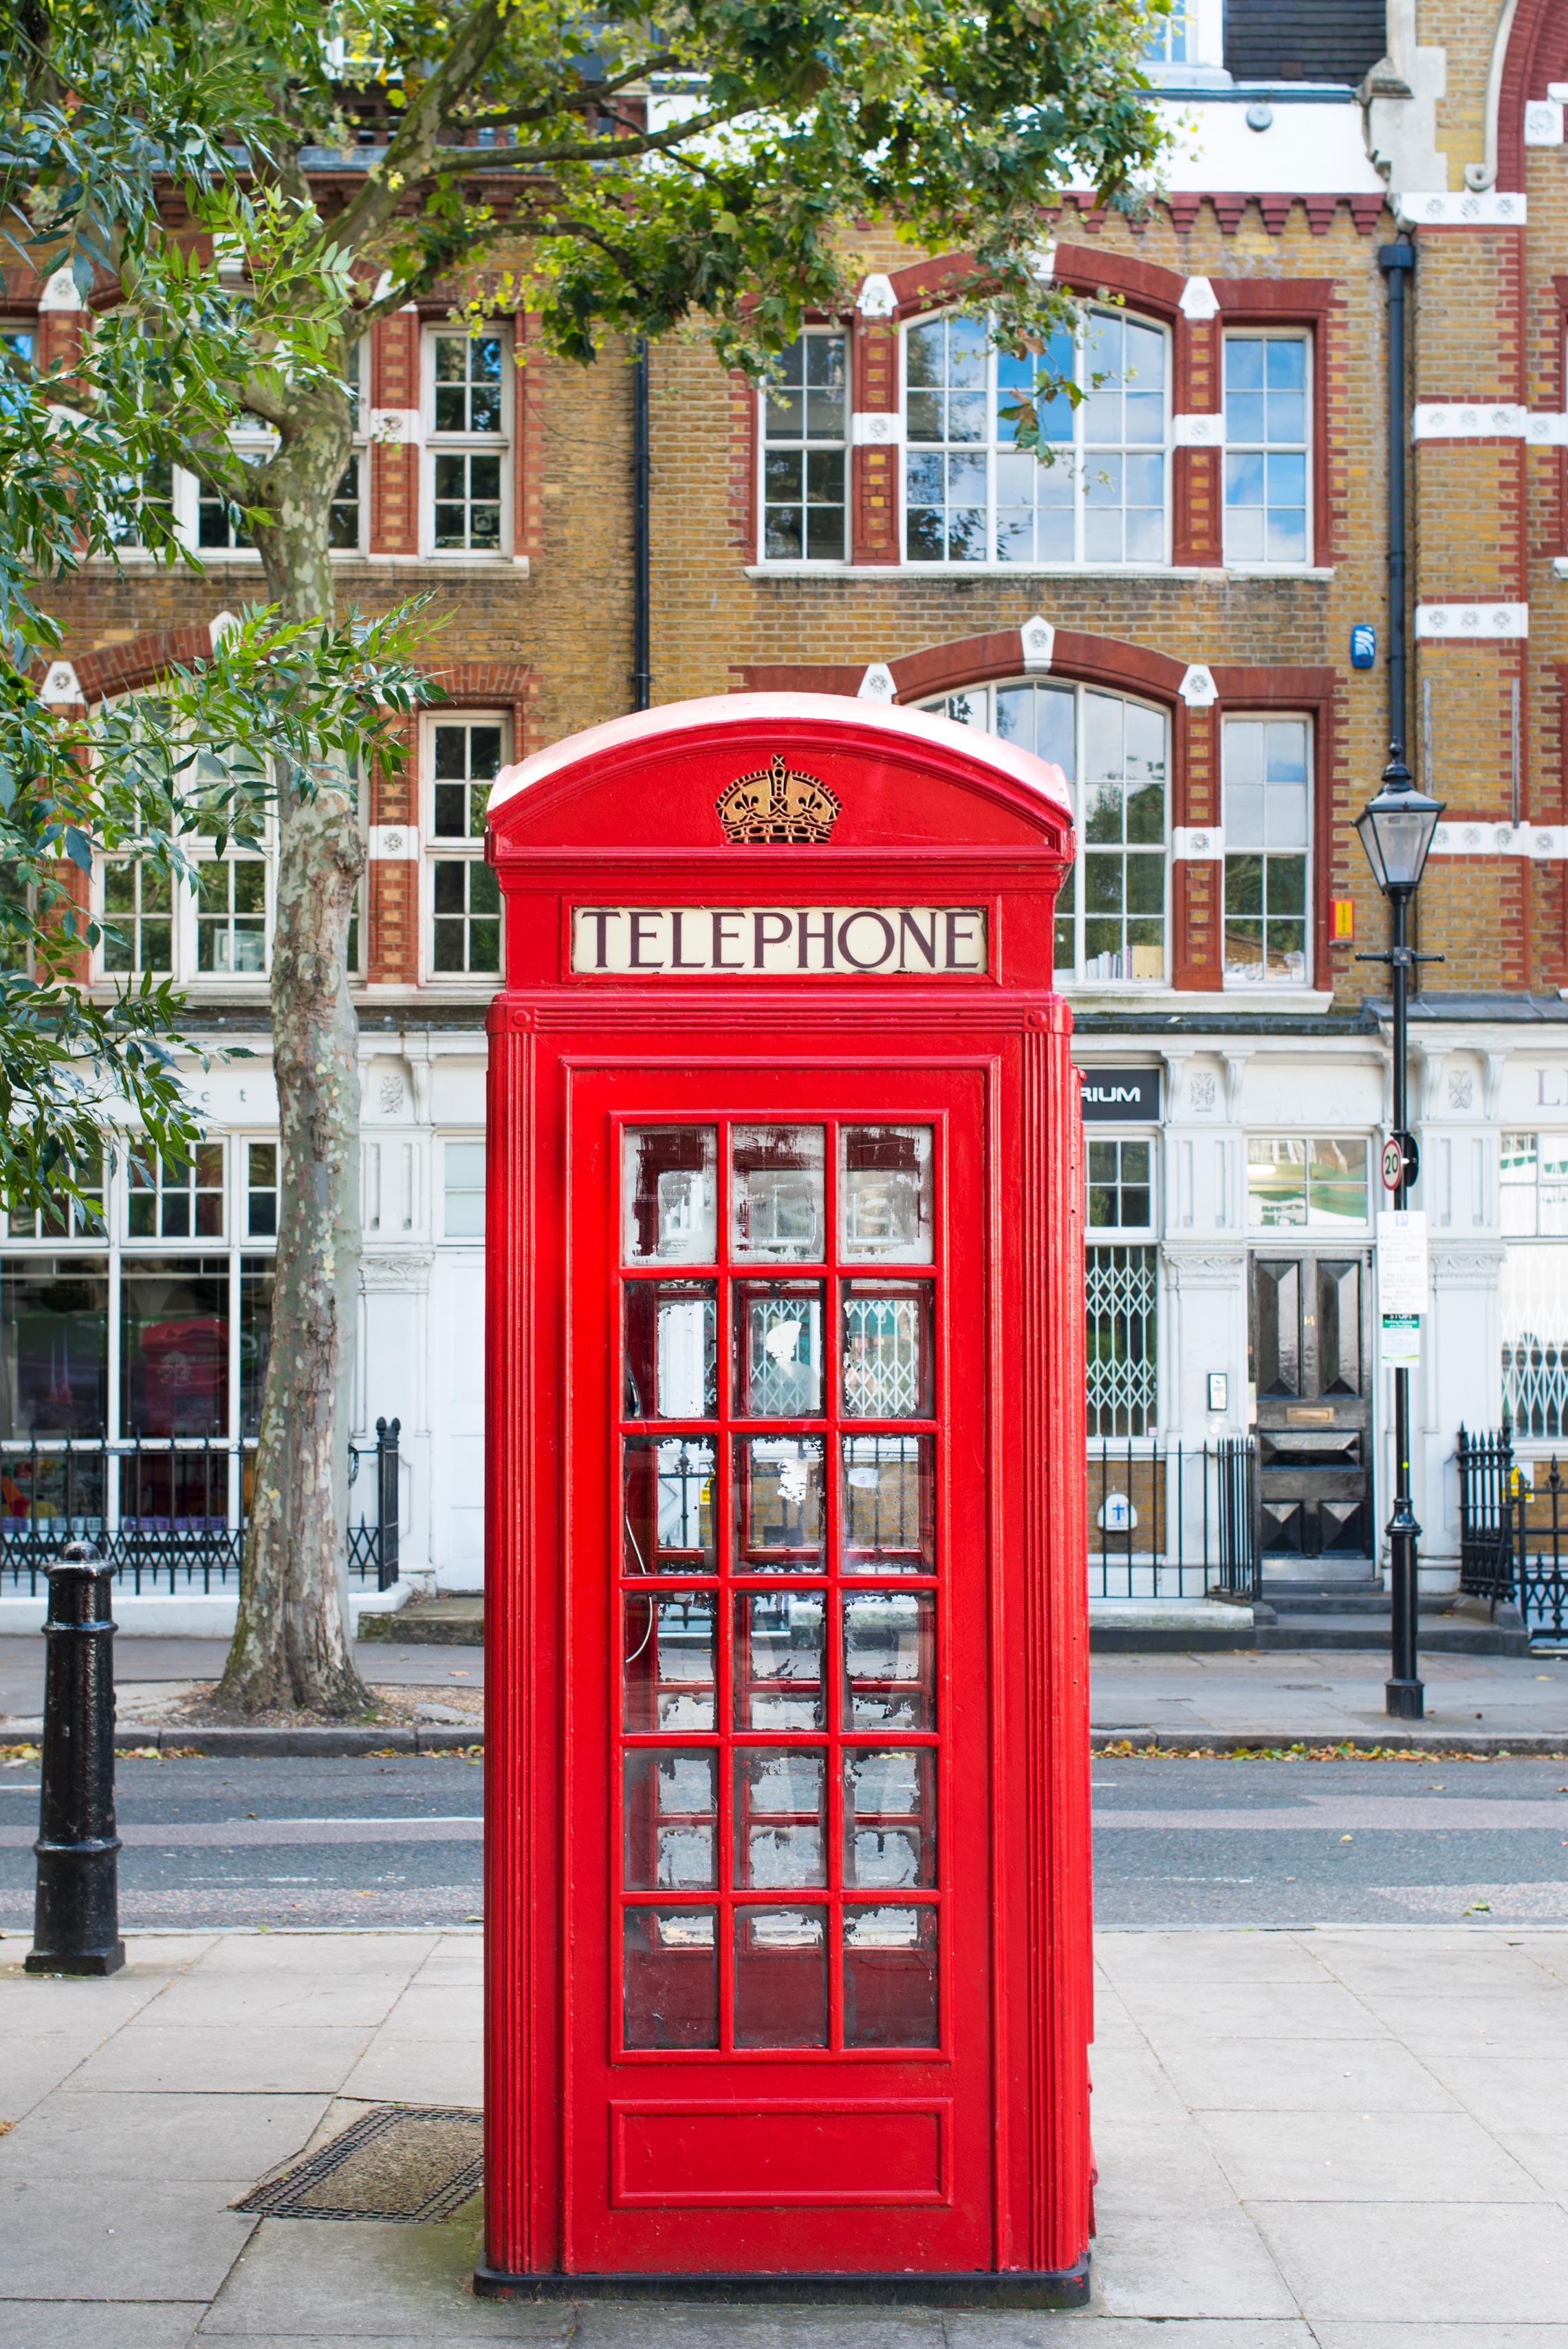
{"x": 781, "y": 941}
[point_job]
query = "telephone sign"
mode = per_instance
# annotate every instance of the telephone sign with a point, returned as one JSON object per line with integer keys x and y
{"x": 786, "y": 1618}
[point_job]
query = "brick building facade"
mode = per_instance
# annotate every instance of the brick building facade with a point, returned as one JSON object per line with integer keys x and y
{"x": 1168, "y": 609}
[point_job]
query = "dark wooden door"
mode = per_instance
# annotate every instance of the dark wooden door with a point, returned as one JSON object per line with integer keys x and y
{"x": 1310, "y": 1346}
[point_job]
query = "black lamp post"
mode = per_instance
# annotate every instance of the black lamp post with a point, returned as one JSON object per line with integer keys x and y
{"x": 1397, "y": 831}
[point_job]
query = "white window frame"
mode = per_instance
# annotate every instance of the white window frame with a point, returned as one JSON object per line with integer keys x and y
{"x": 1114, "y": 1234}
{"x": 460, "y": 1240}
{"x": 438, "y": 848}
{"x": 806, "y": 560}
{"x": 1266, "y": 448}
{"x": 1080, "y": 458}
{"x": 982, "y": 701}
{"x": 439, "y": 444}
{"x": 1263, "y": 984}
{"x": 251, "y": 440}
{"x": 360, "y": 453}
{"x": 185, "y": 923}
{"x": 1270, "y": 1236}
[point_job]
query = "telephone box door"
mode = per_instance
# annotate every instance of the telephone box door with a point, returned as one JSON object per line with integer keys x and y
{"x": 779, "y": 1867}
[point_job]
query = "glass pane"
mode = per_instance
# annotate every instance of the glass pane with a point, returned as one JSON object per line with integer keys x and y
{"x": 174, "y": 1346}
{"x": 779, "y": 1505}
{"x": 777, "y": 1204}
{"x": 780, "y": 1978}
{"x": 890, "y": 1657}
{"x": 667, "y": 1661}
{"x": 671, "y": 1349}
{"x": 778, "y": 1349}
{"x": 888, "y": 1514}
{"x": 54, "y": 1350}
{"x": 669, "y": 1818}
{"x": 885, "y": 1202}
{"x": 1336, "y": 1182}
{"x": 671, "y": 1978}
{"x": 781, "y": 1816}
{"x": 1276, "y": 1181}
{"x": 889, "y": 1821}
{"x": 779, "y": 1659}
{"x": 887, "y": 1349}
{"x": 890, "y": 1977}
{"x": 668, "y": 1511}
{"x": 256, "y": 1283}
{"x": 669, "y": 1193}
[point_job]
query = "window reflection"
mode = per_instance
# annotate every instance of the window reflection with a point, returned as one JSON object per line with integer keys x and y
{"x": 885, "y": 1196}
{"x": 669, "y": 1193}
{"x": 776, "y": 1191}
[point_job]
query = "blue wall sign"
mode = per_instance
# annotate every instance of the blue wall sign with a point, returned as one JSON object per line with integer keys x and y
{"x": 1363, "y": 646}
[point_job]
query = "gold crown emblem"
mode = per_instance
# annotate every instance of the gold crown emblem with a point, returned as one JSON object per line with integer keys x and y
{"x": 775, "y": 805}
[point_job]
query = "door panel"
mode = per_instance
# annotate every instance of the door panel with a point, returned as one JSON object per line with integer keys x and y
{"x": 778, "y": 1953}
{"x": 1310, "y": 1351}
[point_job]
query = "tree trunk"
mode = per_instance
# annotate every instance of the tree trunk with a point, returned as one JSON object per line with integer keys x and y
{"x": 291, "y": 1646}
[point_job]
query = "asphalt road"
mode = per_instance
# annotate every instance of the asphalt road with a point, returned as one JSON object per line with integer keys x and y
{"x": 397, "y": 1842}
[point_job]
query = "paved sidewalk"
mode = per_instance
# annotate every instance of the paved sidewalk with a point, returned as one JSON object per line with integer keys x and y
{"x": 1319, "y": 1696}
{"x": 1282, "y": 1697}
{"x": 1340, "y": 2139}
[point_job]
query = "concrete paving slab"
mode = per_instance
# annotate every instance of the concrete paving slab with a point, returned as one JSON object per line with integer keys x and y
{"x": 1461, "y": 2262}
{"x": 133, "y": 2238}
{"x": 1251, "y": 2010}
{"x": 283, "y": 2002}
{"x": 1365, "y": 2157}
{"x": 84, "y": 2134}
{"x": 1164, "y": 2164}
{"x": 1164, "y": 2266}
{"x": 1328, "y": 2334}
{"x": 301, "y": 2279}
{"x": 99, "y": 2324}
{"x": 439, "y": 2011}
{"x": 249, "y": 2059}
{"x": 1141, "y": 1959}
{"x": 1303, "y": 2075}
{"x": 656, "y": 2324}
{"x": 1505, "y": 2092}
{"x": 1543, "y": 2155}
{"x": 419, "y": 2071}
{"x": 1020, "y": 2330}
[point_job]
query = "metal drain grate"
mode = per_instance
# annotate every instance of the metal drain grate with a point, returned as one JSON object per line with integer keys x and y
{"x": 400, "y": 2161}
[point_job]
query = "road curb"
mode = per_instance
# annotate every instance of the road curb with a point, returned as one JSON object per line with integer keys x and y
{"x": 282, "y": 1745}
{"x": 1293, "y": 1741}
{"x": 349, "y": 1744}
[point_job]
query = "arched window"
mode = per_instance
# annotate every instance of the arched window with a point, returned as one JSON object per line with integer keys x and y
{"x": 1113, "y": 914}
{"x": 973, "y": 495}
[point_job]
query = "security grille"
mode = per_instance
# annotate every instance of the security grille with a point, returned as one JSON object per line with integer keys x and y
{"x": 1120, "y": 1302}
{"x": 1533, "y": 1313}
{"x": 882, "y": 1357}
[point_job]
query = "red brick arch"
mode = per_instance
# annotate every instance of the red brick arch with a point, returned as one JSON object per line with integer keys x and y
{"x": 1537, "y": 54}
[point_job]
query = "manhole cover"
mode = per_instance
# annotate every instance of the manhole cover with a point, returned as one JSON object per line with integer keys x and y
{"x": 400, "y": 2161}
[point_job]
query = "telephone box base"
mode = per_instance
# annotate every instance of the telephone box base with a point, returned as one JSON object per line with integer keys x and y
{"x": 1059, "y": 2288}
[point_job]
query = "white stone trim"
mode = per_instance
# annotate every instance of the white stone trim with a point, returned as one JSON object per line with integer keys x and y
{"x": 60, "y": 292}
{"x": 1198, "y": 844}
{"x": 876, "y": 298}
{"x": 1473, "y": 207}
{"x": 1197, "y": 688}
{"x": 1542, "y": 843}
{"x": 394, "y": 843}
{"x": 1199, "y": 299}
{"x": 1468, "y": 419}
{"x": 876, "y": 428}
{"x": 1547, "y": 430}
{"x": 1038, "y": 640}
{"x": 877, "y": 684}
{"x": 1544, "y": 122}
{"x": 1198, "y": 432}
{"x": 397, "y": 426}
{"x": 61, "y": 685}
{"x": 1472, "y": 624}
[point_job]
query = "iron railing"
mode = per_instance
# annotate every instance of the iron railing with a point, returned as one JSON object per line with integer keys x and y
{"x": 1513, "y": 1533}
{"x": 169, "y": 1512}
{"x": 1173, "y": 1521}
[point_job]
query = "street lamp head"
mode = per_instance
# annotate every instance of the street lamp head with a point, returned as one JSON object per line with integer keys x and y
{"x": 1396, "y": 829}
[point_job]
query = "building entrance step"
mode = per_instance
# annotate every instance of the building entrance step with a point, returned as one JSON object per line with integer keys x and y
{"x": 454, "y": 1620}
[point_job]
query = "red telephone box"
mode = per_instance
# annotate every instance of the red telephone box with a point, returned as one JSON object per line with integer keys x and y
{"x": 787, "y": 1850}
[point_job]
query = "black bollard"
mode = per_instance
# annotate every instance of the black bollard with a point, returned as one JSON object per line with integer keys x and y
{"x": 75, "y": 1916}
